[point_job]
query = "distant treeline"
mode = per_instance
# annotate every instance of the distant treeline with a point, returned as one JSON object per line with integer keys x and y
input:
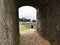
{"x": 26, "y": 20}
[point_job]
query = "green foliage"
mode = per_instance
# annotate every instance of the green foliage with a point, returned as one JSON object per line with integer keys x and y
{"x": 33, "y": 20}
{"x": 24, "y": 19}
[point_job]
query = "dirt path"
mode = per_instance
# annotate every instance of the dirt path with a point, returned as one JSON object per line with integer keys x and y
{"x": 30, "y": 37}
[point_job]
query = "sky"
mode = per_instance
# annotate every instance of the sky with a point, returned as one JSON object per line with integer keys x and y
{"x": 27, "y": 12}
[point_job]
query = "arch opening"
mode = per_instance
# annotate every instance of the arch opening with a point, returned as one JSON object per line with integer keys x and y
{"x": 27, "y": 17}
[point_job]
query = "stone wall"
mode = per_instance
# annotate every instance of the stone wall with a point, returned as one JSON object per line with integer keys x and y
{"x": 9, "y": 31}
{"x": 49, "y": 21}
{"x": 29, "y": 24}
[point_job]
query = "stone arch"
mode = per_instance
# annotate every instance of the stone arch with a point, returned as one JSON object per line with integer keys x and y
{"x": 48, "y": 17}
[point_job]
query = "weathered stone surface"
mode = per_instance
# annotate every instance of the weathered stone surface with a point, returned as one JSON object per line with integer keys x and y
{"x": 50, "y": 22}
{"x": 8, "y": 22}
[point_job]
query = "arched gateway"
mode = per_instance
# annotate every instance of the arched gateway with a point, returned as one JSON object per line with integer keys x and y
{"x": 48, "y": 20}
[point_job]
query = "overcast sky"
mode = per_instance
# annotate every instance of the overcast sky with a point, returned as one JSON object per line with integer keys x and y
{"x": 27, "y": 12}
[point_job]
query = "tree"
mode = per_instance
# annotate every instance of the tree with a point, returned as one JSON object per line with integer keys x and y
{"x": 24, "y": 19}
{"x": 33, "y": 20}
{"x": 28, "y": 20}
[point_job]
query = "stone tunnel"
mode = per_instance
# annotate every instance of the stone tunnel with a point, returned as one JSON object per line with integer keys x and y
{"x": 48, "y": 20}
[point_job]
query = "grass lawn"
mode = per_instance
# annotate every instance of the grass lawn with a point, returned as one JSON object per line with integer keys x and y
{"x": 23, "y": 28}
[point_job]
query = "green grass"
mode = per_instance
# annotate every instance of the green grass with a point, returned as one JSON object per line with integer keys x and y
{"x": 23, "y": 28}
